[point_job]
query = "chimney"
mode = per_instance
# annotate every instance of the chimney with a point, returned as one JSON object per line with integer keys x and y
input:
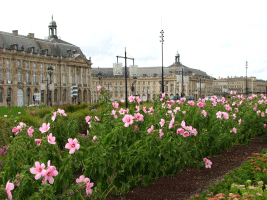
{"x": 15, "y": 32}
{"x": 31, "y": 35}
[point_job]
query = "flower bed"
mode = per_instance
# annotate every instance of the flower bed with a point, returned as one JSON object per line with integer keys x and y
{"x": 124, "y": 148}
{"x": 247, "y": 182}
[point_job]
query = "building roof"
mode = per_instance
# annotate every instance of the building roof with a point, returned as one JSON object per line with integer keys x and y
{"x": 153, "y": 71}
{"x": 55, "y": 47}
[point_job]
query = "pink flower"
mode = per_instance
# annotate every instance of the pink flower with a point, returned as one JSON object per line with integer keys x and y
{"x": 136, "y": 128}
{"x": 9, "y": 187}
{"x": 97, "y": 119}
{"x": 82, "y": 179}
{"x": 94, "y": 139}
{"x": 99, "y": 88}
{"x": 61, "y": 112}
{"x": 139, "y": 117}
{"x": 171, "y": 123}
{"x": 128, "y": 120}
{"x": 113, "y": 112}
{"x": 50, "y": 172}
{"x": 163, "y": 95}
{"x": 264, "y": 125}
{"x": 30, "y": 131}
{"x": 38, "y": 170}
{"x": 234, "y": 116}
{"x": 180, "y": 131}
{"x": 138, "y": 99}
{"x": 72, "y": 145}
{"x": 160, "y": 133}
{"x": 45, "y": 127}
{"x": 204, "y": 113}
{"x": 150, "y": 129}
{"x": 87, "y": 118}
{"x": 191, "y": 103}
{"x": 88, "y": 187}
{"x": 38, "y": 141}
{"x": 185, "y": 134}
{"x": 115, "y": 104}
{"x": 21, "y": 124}
{"x": 208, "y": 163}
{"x": 162, "y": 122}
{"x": 239, "y": 121}
{"x": 122, "y": 100}
{"x": 15, "y": 130}
{"x": 137, "y": 108}
{"x": 115, "y": 116}
{"x": 122, "y": 111}
{"x": 184, "y": 112}
{"x": 51, "y": 139}
{"x": 54, "y": 116}
{"x": 5, "y": 115}
{"x": 234, "y": 130}
{"x": 131, "y": 98}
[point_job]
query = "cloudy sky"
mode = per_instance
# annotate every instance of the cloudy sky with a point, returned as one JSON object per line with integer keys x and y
{"x": 214, "y": 36}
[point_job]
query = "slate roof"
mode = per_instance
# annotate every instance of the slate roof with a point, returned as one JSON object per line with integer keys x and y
{"x": 56, "y": 47}
{"x": 154, "y": 71}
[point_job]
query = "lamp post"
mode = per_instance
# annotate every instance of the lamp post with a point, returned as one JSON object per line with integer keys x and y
{"x": 162, "y": 40}
{"x": 99, "y": 76}
{"x": 50, "y": 71}
{"x": 247, "y": 79}
{"x": 126, "y": 74}
{"x": 133, "y": 88}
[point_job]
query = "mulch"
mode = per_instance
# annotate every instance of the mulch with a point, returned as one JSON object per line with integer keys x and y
{"x": 192, "y": 181}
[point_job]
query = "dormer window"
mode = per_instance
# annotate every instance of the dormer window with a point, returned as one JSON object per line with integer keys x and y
{"x": 144, "y": 75}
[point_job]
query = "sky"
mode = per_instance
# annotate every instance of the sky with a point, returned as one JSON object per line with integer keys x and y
{"x": 216, "y": 36}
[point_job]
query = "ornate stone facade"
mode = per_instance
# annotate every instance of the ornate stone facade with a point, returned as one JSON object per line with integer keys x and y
{"x": 23, "y": 70}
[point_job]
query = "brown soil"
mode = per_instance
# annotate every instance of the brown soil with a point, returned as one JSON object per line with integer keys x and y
{"x": 192, "y": 181}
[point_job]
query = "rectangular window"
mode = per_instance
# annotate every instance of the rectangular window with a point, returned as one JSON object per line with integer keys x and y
{"x": 120, "y": 83}
{"x": 42, "y": 96}
{"x": 8, "y": 75}
{"x": 27, "y": 77}
{"x": 41, "y": 66}
{"x": 1, "y": 95}
{"x": 27, "y": 65}
{"x": 120, "y": 89}
{"x": 0, "y": 75}
{"x": 7, "y": 63}
{"x": 42, "y": 78}
{"x": 71, "y": 79}
{"x": 0, "y": 62}
{"x": 88, "y": 80}
{"x": 71, "y": 70}
{"x": 34, "y": 77}
{"x": 63, "y": 68}
{"x": 34, "y": 65}
{"x": 148, "y": 82}
{"x": 82, "y": 70}
{"x": 18, "y": 63}
{"x": 116, "y": 89}
{"x": 55, "y": 78}
{"x": 77, "y": 79}
{"x": 87, "y": 71}
{"x": 82, "y": 80}
{"x": 64, "y": 79}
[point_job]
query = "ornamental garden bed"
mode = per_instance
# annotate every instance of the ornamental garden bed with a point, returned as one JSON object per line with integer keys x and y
{"x": 122, "y": 149}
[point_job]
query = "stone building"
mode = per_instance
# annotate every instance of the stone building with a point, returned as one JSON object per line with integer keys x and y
{"x": 24, "y": 63}
{"x": 223, "y": 86}
{"x": 147, "y": 83}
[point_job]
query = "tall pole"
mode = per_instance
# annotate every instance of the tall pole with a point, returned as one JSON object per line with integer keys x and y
{"x": 246, "y": 79}
{"x": 182, "y": 82}
{"x": 126, "y": 99}
{"x": 200, "y": 87}
{"x": 162, "y": 81}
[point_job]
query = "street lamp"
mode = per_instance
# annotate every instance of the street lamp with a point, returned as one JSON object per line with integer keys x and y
{"x": 50, "y": 71}
{"x": 134, "y": 89}
{"x": 99, "y": 76}
{"x": 162, "y": 86}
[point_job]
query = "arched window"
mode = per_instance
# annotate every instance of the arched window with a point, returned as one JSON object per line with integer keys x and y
{"x": 1, "y": 95}
{"x": 64, "y": 94}
{"x": 42, "y": 96}
{"x": 28, "y": 95}
{"x": 34, "y": 77}
{"x": 55, "y": 96}
{"x": 19, "y": 76}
